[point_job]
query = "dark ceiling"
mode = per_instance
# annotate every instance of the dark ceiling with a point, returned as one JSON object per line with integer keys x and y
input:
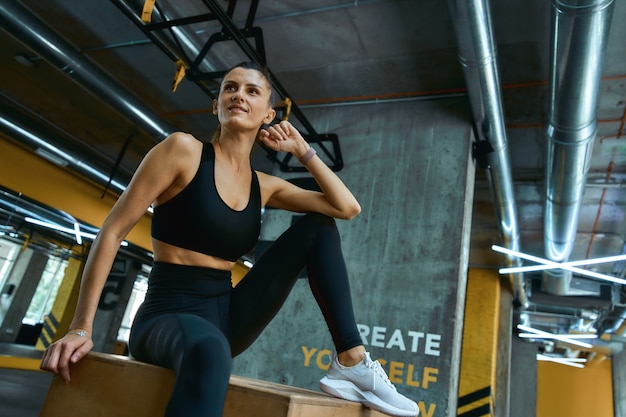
{"x": 81, "y": 75}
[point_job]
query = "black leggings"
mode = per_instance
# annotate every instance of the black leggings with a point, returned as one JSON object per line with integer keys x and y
{"x": 194, "y": 322}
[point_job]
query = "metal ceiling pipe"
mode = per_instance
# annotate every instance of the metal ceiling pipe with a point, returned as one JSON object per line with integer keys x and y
{"x": 616, "y": 324}
{"x": 28, "y": 29}
{"x": 579, "y": 36}
{"x": 478, "y": 57}
{"x": 29, "y": 134}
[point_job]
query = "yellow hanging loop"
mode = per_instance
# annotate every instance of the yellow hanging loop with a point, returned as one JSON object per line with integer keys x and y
{"x": 26, "y": 243}
{"x": 146, "y": 14}
{"x": 179, "y": 75}
{"x": 287, "y": 102}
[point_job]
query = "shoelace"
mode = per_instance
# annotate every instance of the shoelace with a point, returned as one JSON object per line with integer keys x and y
{"x": 375, "y": 366}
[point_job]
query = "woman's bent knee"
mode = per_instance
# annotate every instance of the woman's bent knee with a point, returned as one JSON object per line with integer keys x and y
{"x": 209, "y": 354}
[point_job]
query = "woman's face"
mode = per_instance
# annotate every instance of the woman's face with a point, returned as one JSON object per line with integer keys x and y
{"x": 244, "y": 100}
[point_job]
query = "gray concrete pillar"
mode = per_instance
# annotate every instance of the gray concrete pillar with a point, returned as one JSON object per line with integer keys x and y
{"x": 113, "y": 302}
{"x": 25, "y": 275}
{"x": 618, "y": 364}
{"x": 503, "y": 370}
{"x": 523, "y": 379}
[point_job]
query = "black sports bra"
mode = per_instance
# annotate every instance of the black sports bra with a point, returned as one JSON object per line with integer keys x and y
{"x": 199, "y": 220}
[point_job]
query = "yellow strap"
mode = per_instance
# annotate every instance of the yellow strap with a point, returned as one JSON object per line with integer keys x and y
{"x": 146, "y": 14}
{"x": 287, "y": 102}
{"x": 179, "y": 75}
{"x": 26, "y": 243}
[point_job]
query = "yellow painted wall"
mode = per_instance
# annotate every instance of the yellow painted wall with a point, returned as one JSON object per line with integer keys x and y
{"x": 565, "y": 391}
{"x": 40, "y": 180}
{"x": 24, "y": 172}
{"x": 477, "y": 381}
{"x": 57, "y": 322}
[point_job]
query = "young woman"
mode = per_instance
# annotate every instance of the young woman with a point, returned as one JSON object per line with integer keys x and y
{"x": 207, "y": 214}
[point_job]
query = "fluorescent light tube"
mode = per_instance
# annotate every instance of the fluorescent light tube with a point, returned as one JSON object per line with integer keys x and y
{"x": 554, "y": 265}
{"x": 569, "y": 336}
{"x": 575, "y": 362}
{"x": 79, "y": 239}
{"x": 75, "y": 231}
{"x": 562, "y": 338}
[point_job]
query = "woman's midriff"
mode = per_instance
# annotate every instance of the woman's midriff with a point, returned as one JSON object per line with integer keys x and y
{"x": 164, "y": 252}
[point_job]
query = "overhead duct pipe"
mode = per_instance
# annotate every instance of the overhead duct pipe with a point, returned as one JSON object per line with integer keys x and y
{"x": 17, "y": 126}
{"x": 478, "y": 57}
{"x": 579, "y": 36}
{"x": 28, "y": 29}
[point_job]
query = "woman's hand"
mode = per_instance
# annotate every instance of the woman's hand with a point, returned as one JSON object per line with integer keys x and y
{"x": 283, "y": 137}
{"x": 335, "y": 199}
{"x": 65, "y": 352}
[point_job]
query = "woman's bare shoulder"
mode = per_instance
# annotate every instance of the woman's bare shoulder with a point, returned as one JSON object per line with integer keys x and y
{"x": 182, "y": 140}
{"x": 177, "y": 145}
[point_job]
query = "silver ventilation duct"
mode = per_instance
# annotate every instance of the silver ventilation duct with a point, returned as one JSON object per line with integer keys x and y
{"x": 579, "y": 36}
{"x": 33, "y": 133}
{"x": 478, "y": 57}
{"x": 36, "y": 35}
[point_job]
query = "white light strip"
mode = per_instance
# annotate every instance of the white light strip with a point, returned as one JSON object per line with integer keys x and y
{"x": 59, "y": 228}
{"x": 59, "y": 153}
{"x": 575, "y": 362}
{"x": 553, "y": 336}
{"x": 79, "y": 239}
{"x": 530, "y": 268}
{"x": 556, "y": 265}
{"x": 76, "y": 231}
{"x": 569, "y": 336}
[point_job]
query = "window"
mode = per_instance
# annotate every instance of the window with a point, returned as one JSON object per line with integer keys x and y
{"x": 8, "y": 254}
{"x": 46, "y": 292}
{"x": 136, "y": 298}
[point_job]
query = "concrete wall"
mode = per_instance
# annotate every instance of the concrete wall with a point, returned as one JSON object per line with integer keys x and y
{"x": 25, "y": 275}
{"x": 113, "y": 302}
{"x": 619, "y": 383}
{"x": 409, "y": 165}
{"x": 503, "y": 361}
{"x": 523, "y": 382}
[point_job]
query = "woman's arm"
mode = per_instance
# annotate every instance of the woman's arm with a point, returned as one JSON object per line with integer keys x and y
{"x": 334, "y": 200}
{"x": 157, "y": 172}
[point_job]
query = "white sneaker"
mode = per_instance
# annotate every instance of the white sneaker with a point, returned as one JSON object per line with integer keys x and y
{"x": 367, "y": 383}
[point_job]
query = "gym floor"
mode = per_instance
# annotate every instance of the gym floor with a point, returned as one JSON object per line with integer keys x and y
{"x": 22, "y": 391}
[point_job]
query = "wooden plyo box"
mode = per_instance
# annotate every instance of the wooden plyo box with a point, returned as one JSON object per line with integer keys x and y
{"x": 105, "y": 385}
{"x": 255, "y": 398}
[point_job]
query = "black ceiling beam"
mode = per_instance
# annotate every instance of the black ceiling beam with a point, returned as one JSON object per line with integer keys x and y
{"x": 167, "y": 24}
{"x": 240, "y": 37}
{"x": 132, "y": 16}
{"x": 253, "y": 32}
{"x": 251, "y": 14}
{"x": 230, "y": 27}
